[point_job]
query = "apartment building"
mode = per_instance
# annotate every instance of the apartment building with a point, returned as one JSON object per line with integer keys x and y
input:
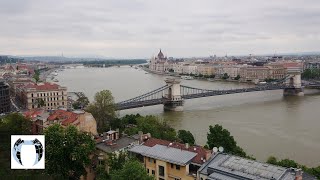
{"x": 254, "y": 74}
{"x": 205, "y": 69}
{"x": 5, "y": 103}
{"x": 45, "y": 95}
{"x": 170, "y": 160}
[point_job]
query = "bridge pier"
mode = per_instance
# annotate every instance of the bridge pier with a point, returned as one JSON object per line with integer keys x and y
{"x": 173, "y": 101}
{"x": 293, "y": 83}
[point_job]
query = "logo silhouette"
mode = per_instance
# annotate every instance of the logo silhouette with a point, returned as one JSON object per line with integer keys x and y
{"x": 16, "y": 150}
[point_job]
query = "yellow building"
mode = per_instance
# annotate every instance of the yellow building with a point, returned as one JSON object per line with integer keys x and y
{"x": 170, "y": 160}
{"x": 205, "y": 69}
{"x": 166, "y": 162}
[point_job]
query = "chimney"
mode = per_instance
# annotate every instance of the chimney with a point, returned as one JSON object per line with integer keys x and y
{"x": 149, "y": 135}
{"x": 298, "y": 173}
{"x": 187, "y": 145}
{"x": 208, "y": 154}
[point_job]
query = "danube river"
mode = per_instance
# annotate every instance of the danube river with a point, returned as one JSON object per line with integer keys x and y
{"x": 263, "y": 123}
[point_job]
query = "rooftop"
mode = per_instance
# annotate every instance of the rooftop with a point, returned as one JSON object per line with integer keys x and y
{"x": 225, "y": 166}
{"x": 66, "y": 117}
{"x": 201, "y": 154}
{"x": 165, "y": 153}
{"x": 120, "y": 143}
{"x": 42, "y": 86}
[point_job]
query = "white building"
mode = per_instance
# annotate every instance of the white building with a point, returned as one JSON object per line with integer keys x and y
{"x": 158, "y": 63}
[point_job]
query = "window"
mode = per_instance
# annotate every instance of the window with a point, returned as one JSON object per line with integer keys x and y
{"x": 62, "y": 103}
{"x": 148, "y": 171}
{"x": 161, "y": 171}
{"x": 171, "y": 165}
{"x": 153, "y": 172}
{"x": 177, "y": 167}
{"x": 150, "y": 160}
{"x": 154, "y": 161}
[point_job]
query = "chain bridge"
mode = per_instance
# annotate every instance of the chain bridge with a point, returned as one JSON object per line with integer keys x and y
{"x": 173, "y": 94}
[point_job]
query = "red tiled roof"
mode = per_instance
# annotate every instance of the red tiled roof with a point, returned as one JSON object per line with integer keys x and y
{"x": 292, "y": 64}
{"x": 43, "y": 86}
{"x": 33, "y": 113}
{"x": 65, "y": 116}
{"x": 201, "y": 152}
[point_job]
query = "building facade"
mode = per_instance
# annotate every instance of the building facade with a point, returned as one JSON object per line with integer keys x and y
{"x": 5, "y": 104}
{"x": 205, "y": 69}
{"x": 157, "y": 63}
{"x": 254, "y": 74}
{"x": 170, "y": 160}
{"x": 45, "y": 95}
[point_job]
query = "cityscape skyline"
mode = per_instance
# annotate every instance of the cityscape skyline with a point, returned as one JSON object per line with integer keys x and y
{"x": 137, "y": 29}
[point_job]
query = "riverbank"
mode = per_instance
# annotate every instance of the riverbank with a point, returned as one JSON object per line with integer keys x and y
{"x": 197, "y": 77}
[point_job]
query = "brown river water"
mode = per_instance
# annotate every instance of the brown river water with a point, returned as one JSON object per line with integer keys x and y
{"x": 263, "y": 123}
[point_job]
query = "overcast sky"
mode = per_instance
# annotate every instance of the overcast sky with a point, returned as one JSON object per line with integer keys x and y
{"x": 138, "y": 28}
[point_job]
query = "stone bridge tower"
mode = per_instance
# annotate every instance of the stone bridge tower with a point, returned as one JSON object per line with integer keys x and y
{"x": 293, "y": 82}
{"x": 173, "y": 100}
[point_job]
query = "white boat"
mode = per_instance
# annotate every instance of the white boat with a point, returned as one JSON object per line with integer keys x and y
{"x": 210, "y": 79}
{"x": 187, "y": 77}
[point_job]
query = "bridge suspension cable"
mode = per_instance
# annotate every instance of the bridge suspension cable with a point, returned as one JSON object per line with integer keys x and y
{"x": 152, "y": 95}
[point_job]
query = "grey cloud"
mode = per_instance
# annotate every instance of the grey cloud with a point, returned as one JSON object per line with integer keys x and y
{"x": 137, "y": 28}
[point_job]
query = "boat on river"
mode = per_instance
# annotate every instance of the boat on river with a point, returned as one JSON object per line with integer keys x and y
{"x": 187, "y": 77}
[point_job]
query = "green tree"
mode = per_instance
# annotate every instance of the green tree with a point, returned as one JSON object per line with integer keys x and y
{"x": 102, "y": 109}
{"x": 11, "y": 124}
{"x": 15, "y": 123}
{"x": 36, "y": 76}
{"x": 186, "y": 137}
{"x": 212, "y": 76}
{"x": 237, "y": 78}
{"x": 225, "y": 76}
{"x": 272, "y": 160}
{"x": 101, "y": 173}
{"x": 81, "y": 102}
{"x": 116, "y": 161}
{"x": 67, "y": 151}
{"x": 158, "y": 129}
{"x": 288, "y": 163}
{"x": 218, "y": 136}
{"x": 39, "y": 102}
{"x": 132, "y": 170}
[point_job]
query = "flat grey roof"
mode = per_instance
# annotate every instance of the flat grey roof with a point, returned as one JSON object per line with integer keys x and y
{"x": 225, "y": 165}
{"x": 118, "y": 144}
{"x": 139, "y": 149}
{"x": 165, "y": 153}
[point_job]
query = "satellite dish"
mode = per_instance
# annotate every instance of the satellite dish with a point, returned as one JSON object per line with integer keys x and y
{"x": 215, "y": 149}
{"x": 221, "y": 149}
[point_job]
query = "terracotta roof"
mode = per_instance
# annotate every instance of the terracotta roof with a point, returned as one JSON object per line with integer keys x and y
{"x": 201, "y": 152}
{"x": 33, "y": 113}
{"x": 43, "y": 86}
{"x": 292, "y": 64}
{"x": 65, "y": 116}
